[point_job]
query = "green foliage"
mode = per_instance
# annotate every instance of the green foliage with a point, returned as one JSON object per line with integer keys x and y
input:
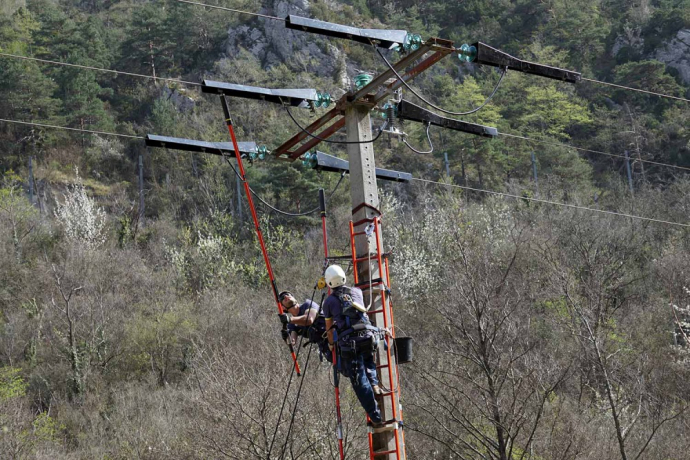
{"x": 11, "y": 383}
{"x": 192, "y": 289}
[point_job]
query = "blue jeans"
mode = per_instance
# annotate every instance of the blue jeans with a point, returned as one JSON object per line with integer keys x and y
{"x": 363, "y": 378}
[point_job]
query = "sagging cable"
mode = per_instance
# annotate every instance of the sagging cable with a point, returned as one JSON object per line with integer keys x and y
{"x": 329, "y": 141}
{"x": 279, "y": 211}
{"x": 449, "y": 112}
{"x": 428, "y": 136}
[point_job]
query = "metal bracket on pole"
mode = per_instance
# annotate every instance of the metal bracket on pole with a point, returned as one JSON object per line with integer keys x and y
{"x": 293, "y": 97}
{"x": 191, "y": 145}
{"x": 488, "y": 55}
{"x": 325, "y": 162}
{"x": 380, "y": 37}
{"x": 410, "y": 111}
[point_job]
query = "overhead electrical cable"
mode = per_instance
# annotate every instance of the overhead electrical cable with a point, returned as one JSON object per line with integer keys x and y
{"x": 234, "y": 11}
{"x": 44, "y": 125}
{"x": 560, "y": 144}
{"x": 99, "y": 69}
{"x": 290, "y": 214}
{"x": 667, "y": 96}
{"x": 383, "y": 126}
{"x": 402, "y": 80}
{"x": 555, "y": 203}
{"x": 428, "y": 136}
{"x": 295, "y": 121}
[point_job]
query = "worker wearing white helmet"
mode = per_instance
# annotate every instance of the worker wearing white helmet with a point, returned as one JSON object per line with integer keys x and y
{"x": 357, "y": 339}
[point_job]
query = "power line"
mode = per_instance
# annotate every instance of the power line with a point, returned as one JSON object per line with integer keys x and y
{"x": 285, "y": 213}
{"x": 402, "y": 80}
{"x": 43, "y": 125}
{"x": 99, "y": 69}
{"x": 234, "y": 11}
{"x": 555, "y": 203}
{"x": 559, "y": 144}
{"x": 636, "y": 89}
{"x": 428, "y": 136}
{"x": 294, "y": 120}
{"x": 119, "y": 72}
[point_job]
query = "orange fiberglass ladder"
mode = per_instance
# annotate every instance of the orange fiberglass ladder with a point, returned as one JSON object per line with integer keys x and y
{"x": 387, "y": 371}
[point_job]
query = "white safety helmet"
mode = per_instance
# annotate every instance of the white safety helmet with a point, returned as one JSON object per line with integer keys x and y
{"x": 335, "y": 276}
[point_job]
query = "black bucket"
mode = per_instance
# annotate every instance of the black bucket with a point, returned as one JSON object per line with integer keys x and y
{"x": 403, "y": 349}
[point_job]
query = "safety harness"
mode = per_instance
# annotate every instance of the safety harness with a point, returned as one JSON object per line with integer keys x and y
{"x": 357, "y": 325}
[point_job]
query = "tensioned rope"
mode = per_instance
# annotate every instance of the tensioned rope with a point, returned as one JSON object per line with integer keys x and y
{"x": 555, "y": 203}
{"x": 306, "y": 364}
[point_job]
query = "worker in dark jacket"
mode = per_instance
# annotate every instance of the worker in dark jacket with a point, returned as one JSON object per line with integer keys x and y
{"x": 357, "y": 340}
{"x": 303, "y": 320}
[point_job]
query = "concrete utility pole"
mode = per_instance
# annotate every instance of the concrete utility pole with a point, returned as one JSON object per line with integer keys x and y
{"x": 365, "y": 203}
{"x": 352, "y": 112}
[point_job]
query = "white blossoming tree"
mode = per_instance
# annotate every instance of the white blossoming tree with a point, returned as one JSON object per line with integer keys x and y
{"x": 82, "y": 219}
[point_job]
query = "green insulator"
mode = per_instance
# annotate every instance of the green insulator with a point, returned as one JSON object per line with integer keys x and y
{"x": 262, "y": 152}
{"x": 416, "y": 42}
{"x": 309, "y": 160}
{"x": 390, "y": 110}
{"x": 252, "y": 156}
{"x": 306, "y": 159}
{"x": 412, "y": 42}
{"x": 467, "y": 53}
{"x": 326, "y": 100}
{"x": 362, "y": 80}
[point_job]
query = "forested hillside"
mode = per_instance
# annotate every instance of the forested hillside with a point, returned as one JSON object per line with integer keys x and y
{"x": 548, "y": 321}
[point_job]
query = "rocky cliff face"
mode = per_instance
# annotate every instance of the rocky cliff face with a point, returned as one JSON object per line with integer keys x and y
{"x": 676, "y": 54}
{"x": 271, "y": 43}
{"x": 8, "y": 7}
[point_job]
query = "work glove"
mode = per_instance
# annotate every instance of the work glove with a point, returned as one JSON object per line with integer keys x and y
{"x": 284, "y": 334}
{"x": 285, "y": 318}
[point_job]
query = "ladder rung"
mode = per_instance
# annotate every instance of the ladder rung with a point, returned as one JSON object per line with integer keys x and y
{"x": 373, "y": 312}
{"x": 385, "y": 452}
{"x": 369, "y": 257}
{"x": 374, "y": 282}
{"x": 375, "y": 286}
{"x": 381, "y": 366}
{"x": 391, "y": 425}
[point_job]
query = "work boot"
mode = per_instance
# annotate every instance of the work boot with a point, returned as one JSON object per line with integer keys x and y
{"x": 377, "y": 390}
{"x": 376, "y": 424}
